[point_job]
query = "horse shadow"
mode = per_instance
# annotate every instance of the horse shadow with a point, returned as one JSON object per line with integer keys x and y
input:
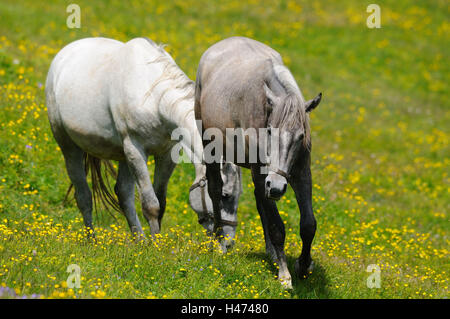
{"x": 315, "y": 286}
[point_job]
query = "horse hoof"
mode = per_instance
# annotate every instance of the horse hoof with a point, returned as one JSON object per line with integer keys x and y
{"x": 303, "y": 268}
{"x": 286, "y": 283}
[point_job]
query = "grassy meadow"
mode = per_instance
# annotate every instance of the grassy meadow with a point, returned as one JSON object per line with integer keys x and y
{"x": 380, "y": 156}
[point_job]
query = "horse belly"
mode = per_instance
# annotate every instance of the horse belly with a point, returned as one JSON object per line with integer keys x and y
{"x": 96, "y": 135}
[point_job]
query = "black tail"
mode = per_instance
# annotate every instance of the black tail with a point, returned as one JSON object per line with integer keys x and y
{"x": 102, "y": 192}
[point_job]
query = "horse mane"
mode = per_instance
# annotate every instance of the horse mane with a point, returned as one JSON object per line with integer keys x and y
{"x": 293, "y": 114}
{"x": 171, "y": 72}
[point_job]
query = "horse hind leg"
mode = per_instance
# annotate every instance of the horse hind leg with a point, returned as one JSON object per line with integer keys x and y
{"x": 164, "y": 166}
{"x": 124, "y": 190}
{"x": 74, "y": 159}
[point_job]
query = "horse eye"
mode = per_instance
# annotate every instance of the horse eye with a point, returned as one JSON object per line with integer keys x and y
{"x": 269, "y": 101}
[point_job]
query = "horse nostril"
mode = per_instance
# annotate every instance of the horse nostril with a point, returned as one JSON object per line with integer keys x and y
{"x": 268, "y": 184}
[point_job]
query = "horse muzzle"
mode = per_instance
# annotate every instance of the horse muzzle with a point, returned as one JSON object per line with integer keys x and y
{"x": 275, "y": 186}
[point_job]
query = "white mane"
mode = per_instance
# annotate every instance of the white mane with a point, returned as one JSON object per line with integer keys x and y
{"x": 293, "y": 114}
{"x": 180, "y": 84}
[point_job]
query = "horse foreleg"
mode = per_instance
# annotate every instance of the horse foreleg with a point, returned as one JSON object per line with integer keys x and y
{"x": 274, "y": 226}
{"x": 270, "y": 249}
{"x": 301, "y": 183}
{"x": 215, "y": 185}
{"x": 164, "y": 166}
{"x": 137, "y": 163}
{"x": 124, "y": 190}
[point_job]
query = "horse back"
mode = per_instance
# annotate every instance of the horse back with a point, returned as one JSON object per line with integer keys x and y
{"x": 229, "y": 89}
{"x": 95, "y": 92}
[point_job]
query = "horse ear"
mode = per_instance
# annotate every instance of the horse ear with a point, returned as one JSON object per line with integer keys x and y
{"x": 312, "y": 104}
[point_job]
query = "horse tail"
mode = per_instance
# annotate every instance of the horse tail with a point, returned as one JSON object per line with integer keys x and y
{"x": 102, "y": 191}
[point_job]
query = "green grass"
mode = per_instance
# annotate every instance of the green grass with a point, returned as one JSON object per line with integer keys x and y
{"x": 380, "y": 155}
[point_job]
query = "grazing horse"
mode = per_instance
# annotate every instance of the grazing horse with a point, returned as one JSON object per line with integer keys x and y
{"x": 242, "y": 83}
{"x": 231, "y": 191}
{"x": 109, "y": 100}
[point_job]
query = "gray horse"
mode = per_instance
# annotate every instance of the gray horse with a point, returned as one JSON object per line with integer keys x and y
{"x": 242, "y": 83}
{"x": 109, "y": 100}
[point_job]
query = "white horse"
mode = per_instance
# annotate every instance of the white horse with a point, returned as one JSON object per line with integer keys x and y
{"x": 109, "y": 100}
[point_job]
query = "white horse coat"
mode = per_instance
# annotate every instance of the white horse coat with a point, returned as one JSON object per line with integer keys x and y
{"x": 99, "y": 88}
{"x": 120, "y": 101}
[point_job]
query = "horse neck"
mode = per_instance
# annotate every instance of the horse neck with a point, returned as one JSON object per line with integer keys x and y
{"x": 182, "y": 116}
